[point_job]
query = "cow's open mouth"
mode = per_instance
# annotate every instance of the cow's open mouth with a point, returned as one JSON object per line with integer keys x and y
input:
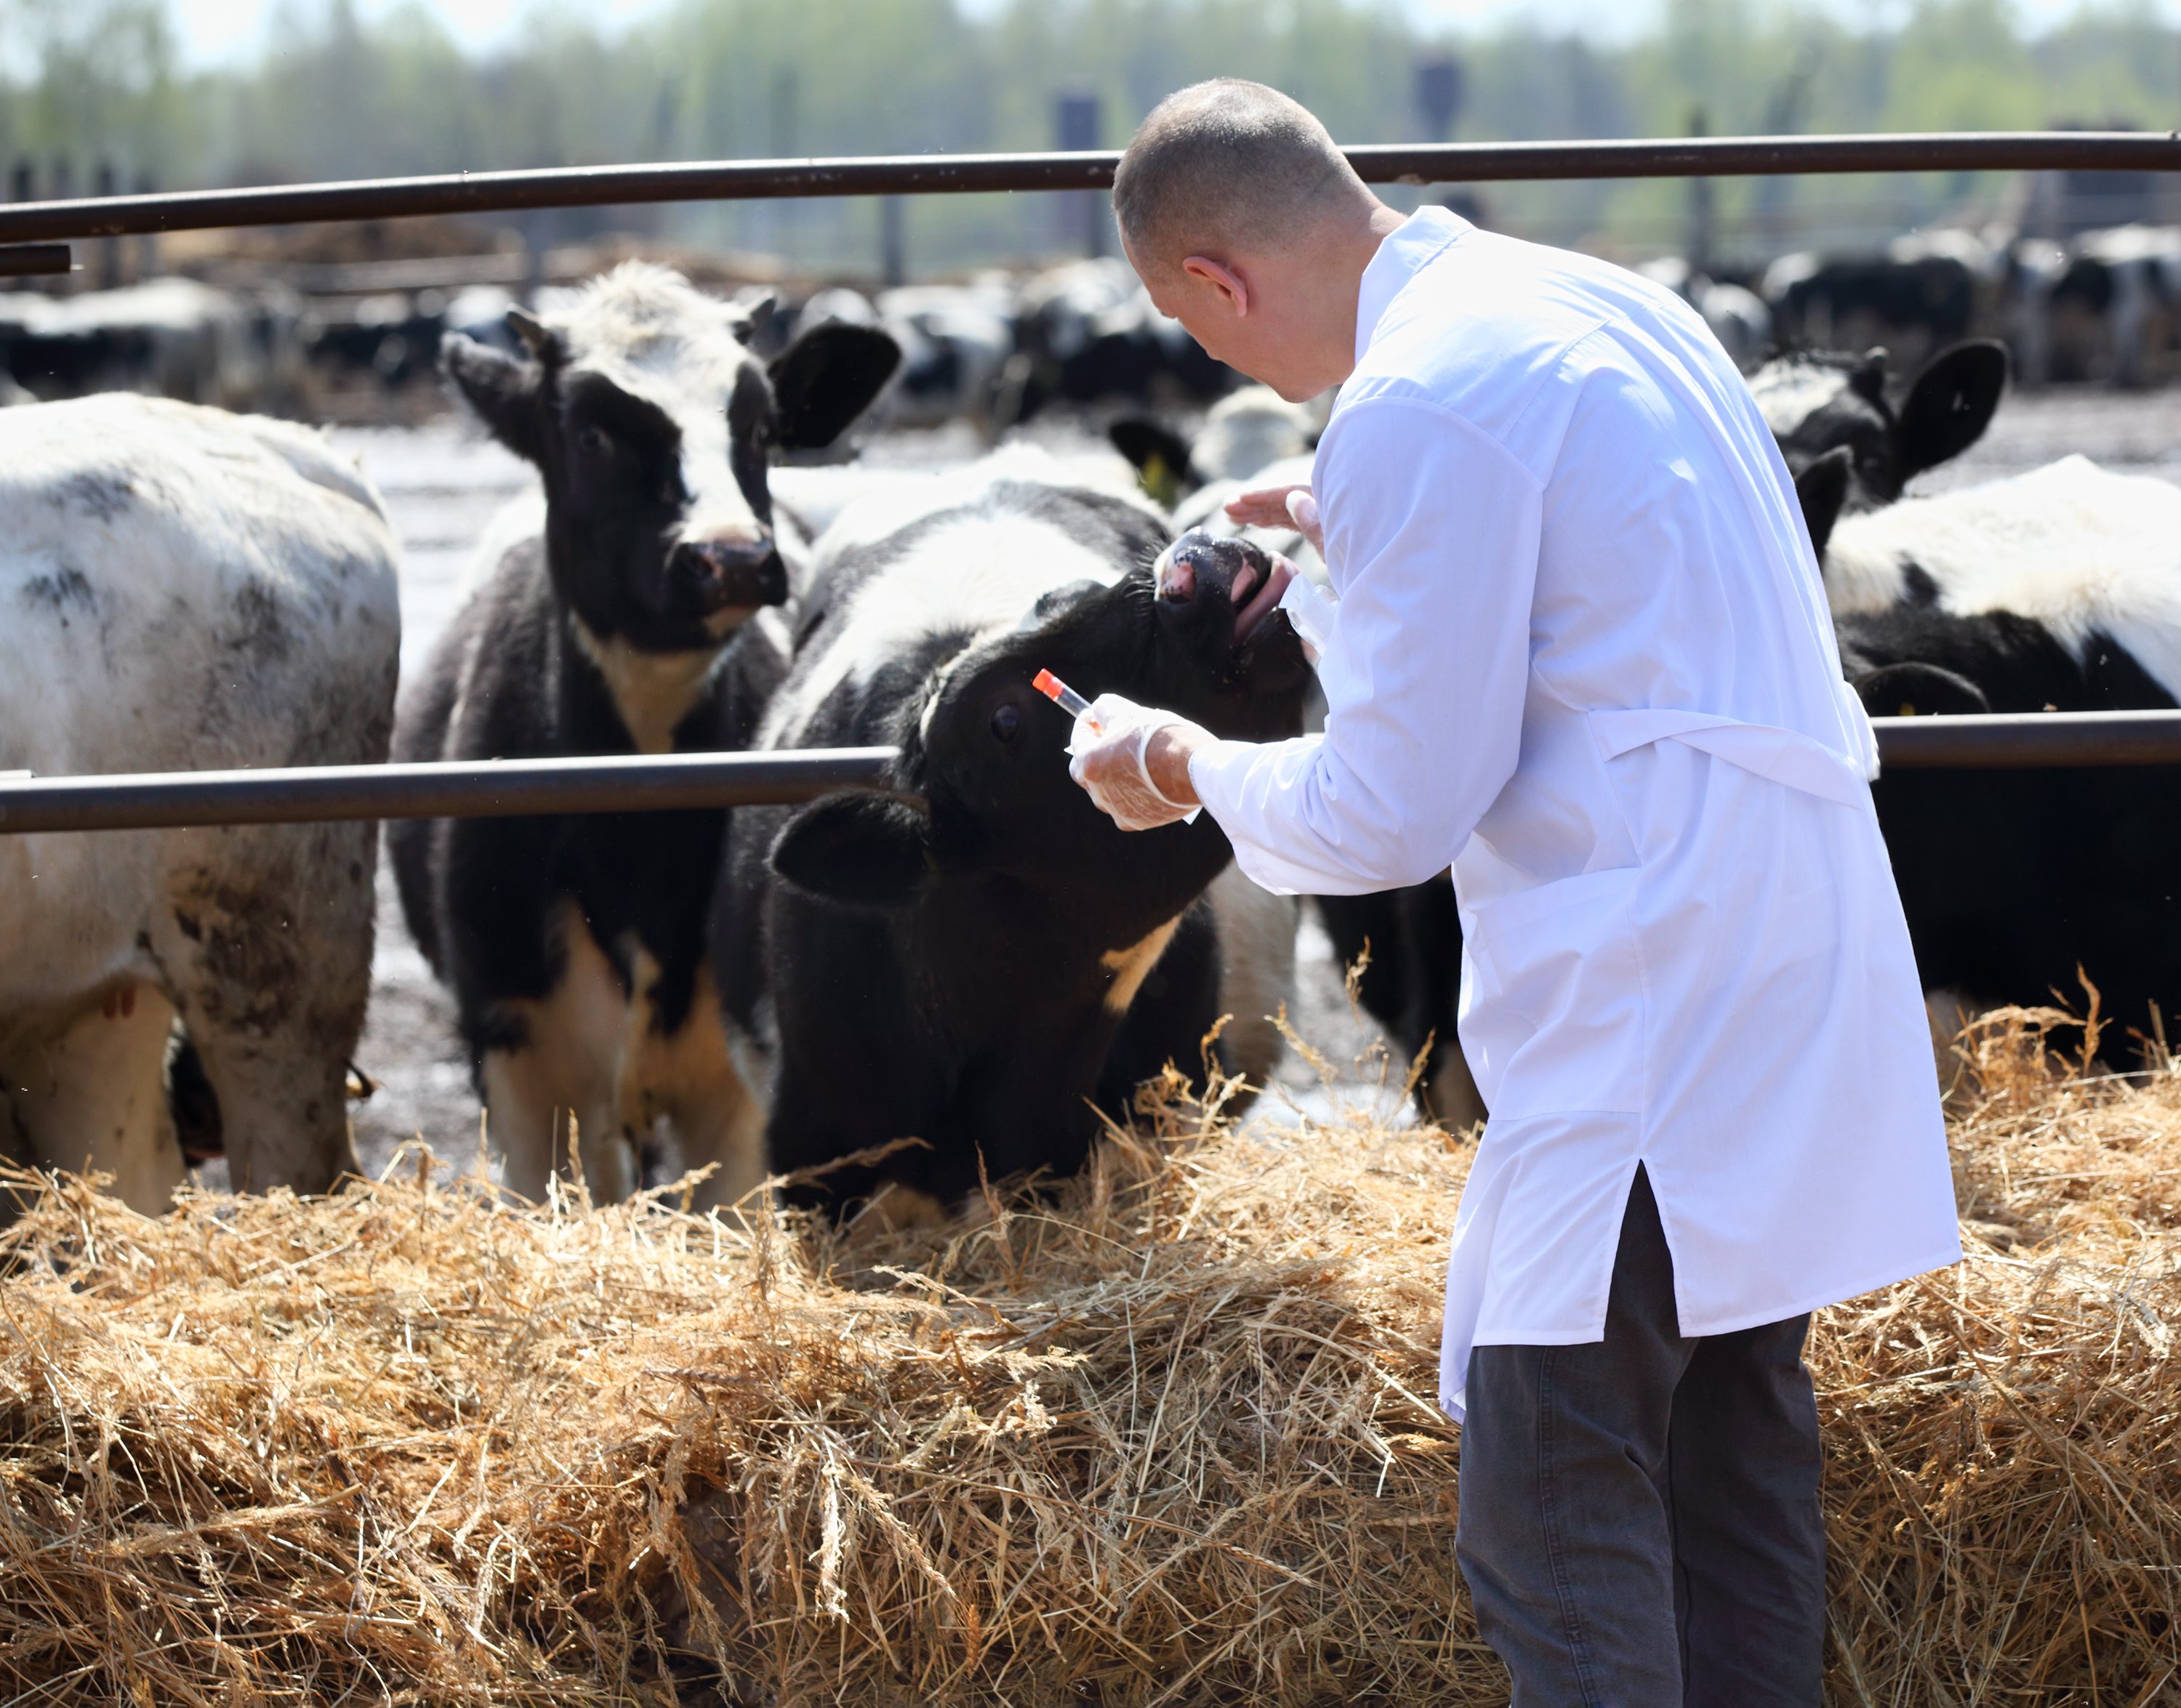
{"x": 1199, "y": 565}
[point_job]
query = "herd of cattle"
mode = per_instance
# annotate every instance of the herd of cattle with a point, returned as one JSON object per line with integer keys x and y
{"x": 2106, "y": 306}
{"x": 884, "y": 995}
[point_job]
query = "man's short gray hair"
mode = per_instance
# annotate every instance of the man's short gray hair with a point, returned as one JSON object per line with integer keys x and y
{"x": 1226, "y": 165}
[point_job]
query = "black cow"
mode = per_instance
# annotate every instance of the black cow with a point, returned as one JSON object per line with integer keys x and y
{"x": 975, "y": 958}
{"x": 574, "y": 945}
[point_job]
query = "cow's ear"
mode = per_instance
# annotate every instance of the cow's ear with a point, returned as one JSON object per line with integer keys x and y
{"x": 502, "y": 389}
{"x": 751, "y": 313}
{"x": 826, "y": 378}
{"x": 863, "y": 850}
{"x": 1822, "y": 490}
{"x": 1951, "y": 405}
{"x": 1919, "y": 691}
{"x": 1867, "y": 378}
{"x": 1159, "y": 455}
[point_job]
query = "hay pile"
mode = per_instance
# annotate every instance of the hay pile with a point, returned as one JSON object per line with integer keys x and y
{"x": 1171, "y": 1438}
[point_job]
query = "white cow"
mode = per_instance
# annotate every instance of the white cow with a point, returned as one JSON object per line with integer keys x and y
{"x": 182, "y": 589}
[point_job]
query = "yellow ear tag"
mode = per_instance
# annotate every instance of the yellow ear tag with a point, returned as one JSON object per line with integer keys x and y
{"x": 1159, "y": 481}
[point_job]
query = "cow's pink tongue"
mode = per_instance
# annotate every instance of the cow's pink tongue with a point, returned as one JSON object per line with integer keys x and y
{"x": 1263, "y": 601}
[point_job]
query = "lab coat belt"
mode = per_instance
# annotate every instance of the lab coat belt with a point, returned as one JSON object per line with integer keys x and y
{"x": 1781, "y": 756}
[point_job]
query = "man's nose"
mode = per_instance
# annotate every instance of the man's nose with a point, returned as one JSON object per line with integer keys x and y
{"x": 718, "y": 573}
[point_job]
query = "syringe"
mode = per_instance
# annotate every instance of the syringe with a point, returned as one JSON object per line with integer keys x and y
{"x": 1061, "y": 694}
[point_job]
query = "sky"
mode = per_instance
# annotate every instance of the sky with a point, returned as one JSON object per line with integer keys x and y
{"x": 216, "y": 31}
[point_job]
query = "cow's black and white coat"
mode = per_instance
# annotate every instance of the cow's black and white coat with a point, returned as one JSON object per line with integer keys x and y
{"x": 182, "y": 590}
{"x": 974, "y": 960}
{"x": 1839, "y": 431}
{"x": 2059, "y": 591}
{"x": 574, "y": 945}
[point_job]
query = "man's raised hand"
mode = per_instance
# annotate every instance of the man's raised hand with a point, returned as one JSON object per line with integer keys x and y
{"x": 1280, "y": 507}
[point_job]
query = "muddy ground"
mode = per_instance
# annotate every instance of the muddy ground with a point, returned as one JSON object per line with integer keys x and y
{"x": 442, "y": 483}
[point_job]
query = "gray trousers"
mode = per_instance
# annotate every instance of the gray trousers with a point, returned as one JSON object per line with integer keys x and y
{"x": 1640, "y": 1525}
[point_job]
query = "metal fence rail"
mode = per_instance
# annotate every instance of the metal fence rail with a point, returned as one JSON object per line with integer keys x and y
{"x": 749, "y": 180}
{"x": 496, "y": 788}
{"x": 509, "y": 788}
{"x": 624, "y": 784}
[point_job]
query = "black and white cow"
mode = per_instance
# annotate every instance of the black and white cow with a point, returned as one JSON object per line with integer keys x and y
{"x": 180, "y": 590}
{"x": 2056, "y": 591}
{"x": 2113, "y": 310}
{"x": 1924, "y": 291}
{"x": 1833, "y": 410}
{"x": 1087, "y": 332}
{"x": 1246, "y": 431}
{"x": 975, "y": 958}
{"x": 575, "y": 945}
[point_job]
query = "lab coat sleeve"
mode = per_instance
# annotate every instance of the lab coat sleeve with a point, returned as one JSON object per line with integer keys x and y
{"x": 1432, "y": 539}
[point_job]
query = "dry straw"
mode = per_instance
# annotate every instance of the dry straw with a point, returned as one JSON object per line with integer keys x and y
{"x": 1169, "y": 1437}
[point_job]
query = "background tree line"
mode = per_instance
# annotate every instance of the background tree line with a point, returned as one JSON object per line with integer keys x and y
{"x": 84, "y": 82}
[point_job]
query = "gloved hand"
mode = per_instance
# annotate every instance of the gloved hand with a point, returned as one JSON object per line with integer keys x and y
{"x": 1108, "y": 744}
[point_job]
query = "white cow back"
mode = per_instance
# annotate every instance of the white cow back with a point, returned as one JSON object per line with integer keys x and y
{"x": 966, "y": 570}
{"x": 185, "y": 590}
{"x": 2074, "y": 547}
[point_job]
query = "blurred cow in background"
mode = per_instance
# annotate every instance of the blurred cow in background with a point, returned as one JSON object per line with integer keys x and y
{"x": 1735, "y": 314}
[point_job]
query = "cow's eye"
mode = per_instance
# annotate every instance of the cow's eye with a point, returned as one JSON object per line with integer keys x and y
{"x": 592, "y": 442}
{"x": 1005, "y": 722}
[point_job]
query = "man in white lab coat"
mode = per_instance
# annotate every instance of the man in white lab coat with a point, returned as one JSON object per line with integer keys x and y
{"x": 1580, "y": 653}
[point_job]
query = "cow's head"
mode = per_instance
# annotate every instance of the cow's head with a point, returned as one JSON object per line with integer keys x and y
{"x": 985, "y": 792}
{"x": 1243, "y": 433}
{"x": 1833, "y": 410}
{"x": 653, "y": 427}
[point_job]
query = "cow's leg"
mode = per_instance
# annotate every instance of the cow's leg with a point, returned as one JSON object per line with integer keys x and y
{"x": 563, "y": 1069}
{"x": 92, "y": 1096}
{"x": 714, "y": 1118}
{"x": 267, "y": 950}
{"x": 1450, "y": 1093}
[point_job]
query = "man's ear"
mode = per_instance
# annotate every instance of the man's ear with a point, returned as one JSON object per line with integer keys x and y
{"x": 1222, "y": 278}
{"x": 860, "y": 849}
{"x": 1951, "y": 403}
{"x": 1822, "y": 490}
{"x": 1919, "y": 691}
{"x": 502, "y": 389}
{"x": 826, "y": 378}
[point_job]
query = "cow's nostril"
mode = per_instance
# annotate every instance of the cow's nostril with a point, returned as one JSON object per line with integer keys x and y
{"x": 730, "y": 572}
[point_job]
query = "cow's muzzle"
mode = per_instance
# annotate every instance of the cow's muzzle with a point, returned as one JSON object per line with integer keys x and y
{"x": 719, "y": 575}
{"x": 1244, "y": 575}
{"x": 1201, "y": 565}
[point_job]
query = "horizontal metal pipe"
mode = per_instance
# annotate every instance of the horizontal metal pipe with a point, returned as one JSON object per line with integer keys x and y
{"x": 500, "y": 788}
{"x": 2026, "y": 740}
{"x": 504, "y": 788}
{"x": 34, "y": 259}
{"x": 746, "y": 180}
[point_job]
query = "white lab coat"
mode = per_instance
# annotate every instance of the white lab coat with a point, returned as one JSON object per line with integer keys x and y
{"x": 1582, "y": 653}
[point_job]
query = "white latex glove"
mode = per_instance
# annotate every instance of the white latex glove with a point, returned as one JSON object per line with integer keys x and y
{"x": 1108, "y": 743}
{"x": 1312, "y": 611}
{"x": 1302, "y": 507}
